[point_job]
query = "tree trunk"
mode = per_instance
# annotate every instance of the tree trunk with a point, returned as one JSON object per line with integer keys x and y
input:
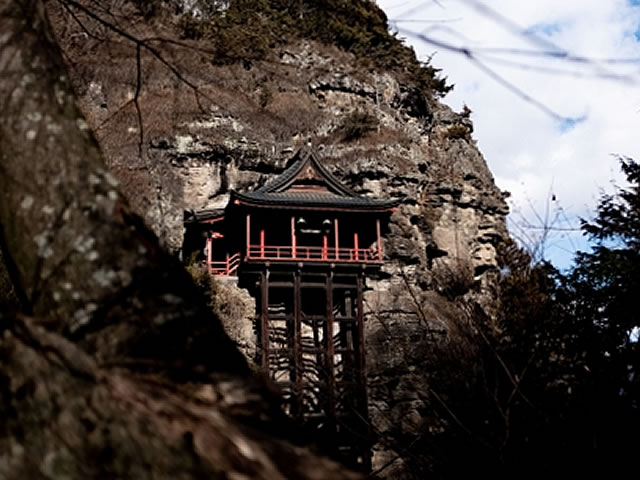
{"x": 116, "y": 368}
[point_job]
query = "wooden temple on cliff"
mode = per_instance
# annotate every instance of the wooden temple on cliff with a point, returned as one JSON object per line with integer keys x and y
{"x": 303, "y": 245}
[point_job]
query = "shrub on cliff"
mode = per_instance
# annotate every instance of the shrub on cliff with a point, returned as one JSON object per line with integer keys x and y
{"x": 358, "y": 124}
{"x": 246, "y": 30}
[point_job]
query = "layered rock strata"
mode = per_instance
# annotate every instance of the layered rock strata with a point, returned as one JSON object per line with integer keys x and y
{"x": 183, "y": 142}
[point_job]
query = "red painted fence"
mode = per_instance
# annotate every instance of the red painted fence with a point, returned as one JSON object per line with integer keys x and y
{"x": 226, "y": 267}
{"x": 319, "y": 254}
{"x": 302, "y": 253}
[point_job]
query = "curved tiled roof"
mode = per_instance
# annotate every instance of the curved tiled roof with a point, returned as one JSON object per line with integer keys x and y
{"x": 191, "y": 216}
{"x": 328, "y": 191}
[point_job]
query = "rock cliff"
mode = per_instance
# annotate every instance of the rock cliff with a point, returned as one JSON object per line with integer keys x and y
{"x": 180, "y": 131}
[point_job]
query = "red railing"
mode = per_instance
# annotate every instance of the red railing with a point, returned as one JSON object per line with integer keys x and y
{"x": 317, "y": 254}
{"x": 314, "y": 254}
{"x": 226, "y": 267}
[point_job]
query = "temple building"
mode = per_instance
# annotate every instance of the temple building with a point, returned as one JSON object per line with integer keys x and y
{"x": 303, "y": 245}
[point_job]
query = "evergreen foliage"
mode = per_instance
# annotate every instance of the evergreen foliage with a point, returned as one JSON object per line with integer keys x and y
{"x": 247, "y": 30}
{"x": 602, "y": 294}
{"x": 549, "y": 385}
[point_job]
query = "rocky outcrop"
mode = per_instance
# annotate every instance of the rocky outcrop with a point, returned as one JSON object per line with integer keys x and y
{"x": 182, "y": 142}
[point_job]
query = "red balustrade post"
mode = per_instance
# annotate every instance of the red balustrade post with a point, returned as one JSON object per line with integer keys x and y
{"x": 248, "y": 234}
{"x": 262, "y": 243}
{"x": 293, "y": 236}
{"x": 208, "y": 251}
{"x": 355, "y": 245}
{"x": 335, "y": 232}
{"x": 325, "y": 246}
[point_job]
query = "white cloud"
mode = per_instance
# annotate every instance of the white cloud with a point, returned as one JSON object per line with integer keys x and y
{"x": 530, "y": 152}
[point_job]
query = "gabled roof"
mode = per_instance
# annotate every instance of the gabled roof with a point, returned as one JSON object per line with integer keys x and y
{"x": 307, "y": 184}
{"x": 207, "y": 215}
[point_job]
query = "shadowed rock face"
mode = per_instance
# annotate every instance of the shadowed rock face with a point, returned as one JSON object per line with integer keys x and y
{"x": 120, "y": 370}
{"x": 180, "y": 143}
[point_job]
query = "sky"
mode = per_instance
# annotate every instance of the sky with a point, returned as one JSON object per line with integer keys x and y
{"x": 553, "y": 144}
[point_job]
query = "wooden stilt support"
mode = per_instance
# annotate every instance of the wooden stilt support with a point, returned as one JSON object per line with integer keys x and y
{"x": 363, "y": 407}
{"x": 297, "y": 346}
{"x": 264, "y": 319}
{"x": 330, "y": 349}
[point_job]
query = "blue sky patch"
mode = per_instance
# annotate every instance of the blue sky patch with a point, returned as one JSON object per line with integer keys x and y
{"x": 636, "y": 3}
{"x": 547, "y": 29}
{"x": 567, "y": 124}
